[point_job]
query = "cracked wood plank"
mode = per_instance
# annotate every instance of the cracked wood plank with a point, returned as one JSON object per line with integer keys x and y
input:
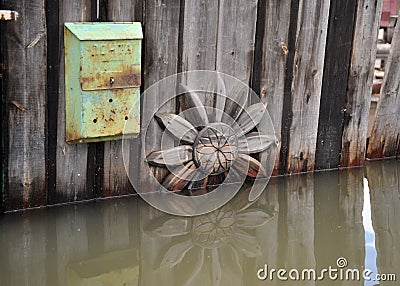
{"x": 25, "y": 184}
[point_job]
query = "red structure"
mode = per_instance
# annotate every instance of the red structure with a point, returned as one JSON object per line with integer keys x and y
{"x": 389, "y": 9}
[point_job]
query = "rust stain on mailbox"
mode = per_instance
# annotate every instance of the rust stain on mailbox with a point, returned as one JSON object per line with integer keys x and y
{"x": 102, "y": 80}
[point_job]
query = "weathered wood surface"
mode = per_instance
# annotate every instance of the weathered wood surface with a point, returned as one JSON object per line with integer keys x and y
{"x": 305, "y": 89}
{"x": 125, "y": 10}
{"x": 71, "y": 160}
{"x": 385, "y": 136}
{"x": 334, "y": 92}
{"x": 200, "y": 31}
{"x": 270, "y": 59}
{"x": 236, "y": 38}
{"x": 3, "y": 130}
{"x": 25, "y": 99}
{"x": 161, "y": 60}
{"x": 360, "y": 83}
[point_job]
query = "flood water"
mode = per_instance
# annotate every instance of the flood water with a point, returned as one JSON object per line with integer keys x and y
{"x": 348, "y": 221}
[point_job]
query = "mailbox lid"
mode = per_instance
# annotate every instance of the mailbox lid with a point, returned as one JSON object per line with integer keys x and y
{"x": 94, "y": 31}
{"x": 110, "y": 64}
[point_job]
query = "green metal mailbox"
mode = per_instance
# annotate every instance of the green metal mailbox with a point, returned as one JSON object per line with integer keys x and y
{"x": 102, "y": 80}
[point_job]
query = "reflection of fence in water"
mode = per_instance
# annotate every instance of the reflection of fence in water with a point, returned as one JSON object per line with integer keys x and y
{"x": 299, "y": 222}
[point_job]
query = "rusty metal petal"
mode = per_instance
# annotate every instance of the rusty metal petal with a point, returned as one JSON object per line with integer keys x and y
{"x": 235, "y": 103}
{"x": 194, "y": 109}
{"x": 178, "y": 179}
{"x": 249, "y": 118}
{"x": 176, "y": 156}
{"x": 255, "y": 142}
{"x": 248, "y": 165}
{"x": 178, "y": 126}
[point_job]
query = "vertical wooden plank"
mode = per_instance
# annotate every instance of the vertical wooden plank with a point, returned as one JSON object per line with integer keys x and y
{"x": 305, "y": 93}
{"x": 236, "y": 38}
{"x": 385, "y": 136}
{"x": 52, "y": 94}
{"x": 3, "y": 124}
{"x": 200, "y": 34}
{"x": 273, "y": 18}
{"x": 332, "y": 113}
{"x": 360, "y": 83}
{"x": 71, "y": 160}
{"x": 161, "y": 33}
{"x": 125, "y": 10}
{"x": 116, "y": 181}
{"x": 25, "y": 55}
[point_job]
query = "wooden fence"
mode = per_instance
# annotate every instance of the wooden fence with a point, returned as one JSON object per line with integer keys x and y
{"x": 312, "y": 61}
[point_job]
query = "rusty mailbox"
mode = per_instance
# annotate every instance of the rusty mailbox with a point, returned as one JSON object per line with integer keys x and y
{"x": 102, "y": 80}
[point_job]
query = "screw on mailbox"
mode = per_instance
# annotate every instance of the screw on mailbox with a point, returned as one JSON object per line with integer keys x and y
{"x": 112, "y": 80}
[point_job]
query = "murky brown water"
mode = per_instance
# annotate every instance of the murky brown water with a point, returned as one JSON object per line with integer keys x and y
{"x": 301, "y": 222}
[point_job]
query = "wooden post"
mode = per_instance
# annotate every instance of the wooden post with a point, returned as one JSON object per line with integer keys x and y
{"x": 334, "y": 83}
{"x": 385, "y": 136}
{"x": 273, "y": 18}
{"x": 306, "y": 51}
{"x": 161, "y": 30}
{"x": 71, "y": 160}
{"x": 24, "y": 118}
{"x": 360, "y": 83}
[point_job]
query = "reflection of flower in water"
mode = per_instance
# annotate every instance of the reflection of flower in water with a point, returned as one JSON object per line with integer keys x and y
{"x": 218, "y": 238}
{"x": 213, "y": 138}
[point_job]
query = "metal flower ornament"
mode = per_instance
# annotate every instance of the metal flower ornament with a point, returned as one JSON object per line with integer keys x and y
{"x": 221, "y": 137}
{"x": 211, "y": 148}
